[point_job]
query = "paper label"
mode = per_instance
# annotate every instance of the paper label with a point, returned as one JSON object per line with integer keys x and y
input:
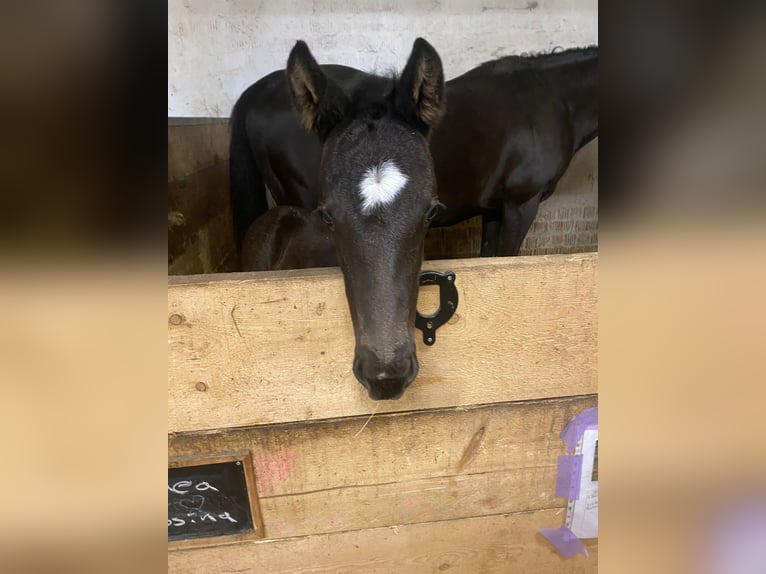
{"x": 582, "y": 513}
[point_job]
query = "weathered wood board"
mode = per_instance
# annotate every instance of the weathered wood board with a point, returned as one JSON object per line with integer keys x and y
{"x": 194, "y": 145}
{"x": 402, "y": 468}
{"x": 265, "y": 348}
{"x": 458, "y": 475}
{"x": 200, "y": 230}
{"x": 501, "y": 543}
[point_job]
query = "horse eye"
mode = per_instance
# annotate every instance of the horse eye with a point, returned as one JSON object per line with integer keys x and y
{"x": 325, "y": 217}
{"x": 431, "y": 213}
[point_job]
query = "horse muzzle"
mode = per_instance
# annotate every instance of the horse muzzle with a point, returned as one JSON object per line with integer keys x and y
{"x": 385, "y": 379}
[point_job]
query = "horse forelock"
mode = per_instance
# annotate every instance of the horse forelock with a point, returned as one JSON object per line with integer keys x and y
{"x": 371, "y": 93}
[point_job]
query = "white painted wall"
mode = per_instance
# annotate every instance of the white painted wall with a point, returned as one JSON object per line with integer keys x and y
{"x": 216, "y": 48}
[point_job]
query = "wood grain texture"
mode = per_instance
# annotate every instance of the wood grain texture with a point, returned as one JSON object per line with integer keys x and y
{"x": 201, "y": 196}
{"x": 200, "y": 229}
{"x": 197, "y": 146}
{"x": 403, "y": 468}
{"x": 202, "y": 245}
{"x": 458, "y": 241}
{"x": 274, "y": 347}
{"x": 501, "y": 543}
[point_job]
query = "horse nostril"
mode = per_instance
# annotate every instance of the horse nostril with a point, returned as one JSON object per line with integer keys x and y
{"x": 359, "y": 373}
{"x": 385, "y": 379}
{"x": 386, "y": 392}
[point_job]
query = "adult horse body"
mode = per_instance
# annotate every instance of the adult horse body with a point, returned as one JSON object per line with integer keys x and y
{"x": 510, "y": 131}
{"x": 376, "y": 193}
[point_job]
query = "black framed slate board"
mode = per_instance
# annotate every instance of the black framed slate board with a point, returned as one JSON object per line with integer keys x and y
{"x": 211, "y": 497}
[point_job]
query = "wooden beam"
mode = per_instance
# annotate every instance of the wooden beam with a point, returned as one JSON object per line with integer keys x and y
{"x": 502, "y": 543}
{"x": 406, "y": 467}
{"x": 195, "y": 146}
{"x": 271, "y": 347}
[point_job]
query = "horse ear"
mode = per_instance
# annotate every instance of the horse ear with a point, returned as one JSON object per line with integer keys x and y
{"x": 420, "y": 92}
{"x": 319, "y": 102}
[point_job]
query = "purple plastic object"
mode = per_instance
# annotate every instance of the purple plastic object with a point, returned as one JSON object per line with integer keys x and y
{"x": 734, "y": 540}
{"x": 569, "y": 474}
{"x": 565, "y": 541}
{"x": 588, "y": 419}
{"x": 568, "y": 482}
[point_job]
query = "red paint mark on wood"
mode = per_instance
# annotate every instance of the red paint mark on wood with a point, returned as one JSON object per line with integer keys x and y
{"x": 409, "y": 503}
{"x": 272, "y": 469}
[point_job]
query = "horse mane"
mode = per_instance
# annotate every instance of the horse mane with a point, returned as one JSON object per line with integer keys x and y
{"x": 373, "y": 90}
{"x": 539, "y": 60}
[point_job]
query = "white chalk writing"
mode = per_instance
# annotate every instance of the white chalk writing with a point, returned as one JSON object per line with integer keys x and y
{"x": 187, "y": 484}
{"x": 175, "y": 521}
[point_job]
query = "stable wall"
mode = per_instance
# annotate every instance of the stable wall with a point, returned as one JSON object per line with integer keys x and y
{"x": 200, "y": 227}
{"x": 217, "y": 48}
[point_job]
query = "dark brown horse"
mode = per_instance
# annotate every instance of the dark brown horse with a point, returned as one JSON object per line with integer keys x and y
{"x": 377, "y": 194}
{"x": 510, "y": 130}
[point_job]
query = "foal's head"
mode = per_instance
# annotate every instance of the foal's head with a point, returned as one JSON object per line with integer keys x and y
{"x": 378, "y": 194}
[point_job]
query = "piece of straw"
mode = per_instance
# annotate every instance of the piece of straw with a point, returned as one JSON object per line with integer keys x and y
{"x": 367, "y": 421}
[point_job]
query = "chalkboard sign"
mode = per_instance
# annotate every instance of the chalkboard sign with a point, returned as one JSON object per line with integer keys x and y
{"x": 210, "y": 499}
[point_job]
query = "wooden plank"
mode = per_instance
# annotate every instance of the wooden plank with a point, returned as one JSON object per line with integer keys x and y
{"x": 502, "y": 543}
{"x": 195, "y": 121}
{"x": 458, "y": 241}
{"x": 270, "y": 347}
{"x": 402, "y": 468}
{"x": 206, "y": 246}
{"x": 201, "y": 196}
{"x": 411, "y": 502}
{"x": 294, "y": 458}
{"x": 200, "y": 229}
{"x": 192, "y": 148}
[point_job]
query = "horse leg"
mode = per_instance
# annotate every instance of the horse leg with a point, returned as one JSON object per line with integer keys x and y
{"x": 514, "y": 225}
{"x": 489, "y": 230}
{"x": 275, "y": 193}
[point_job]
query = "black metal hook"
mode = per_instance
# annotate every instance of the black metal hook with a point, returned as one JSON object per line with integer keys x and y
{"x": 448, "y": 300}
